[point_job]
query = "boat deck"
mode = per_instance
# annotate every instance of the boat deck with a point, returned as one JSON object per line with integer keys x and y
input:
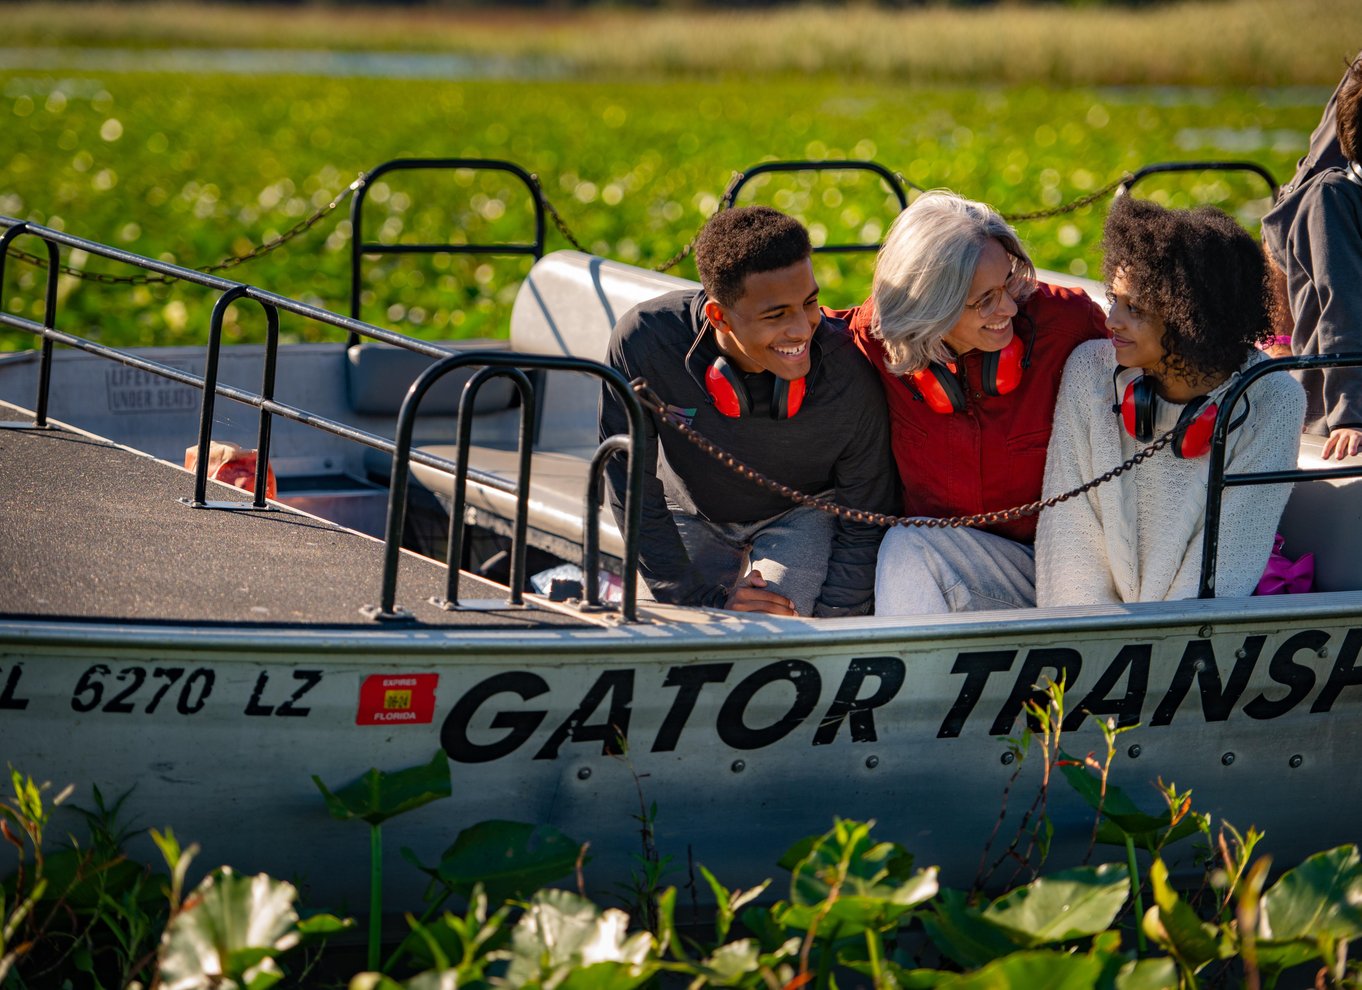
{"x": 90, "y": 530}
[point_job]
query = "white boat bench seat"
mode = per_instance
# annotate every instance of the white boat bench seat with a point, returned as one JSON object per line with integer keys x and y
{"x": 1325, "y": 518}
{"x": 567, "y": 305}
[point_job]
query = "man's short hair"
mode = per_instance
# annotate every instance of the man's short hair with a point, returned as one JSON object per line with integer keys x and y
{"x": 1350, "y": 113}
{"x": 745, "y": 241}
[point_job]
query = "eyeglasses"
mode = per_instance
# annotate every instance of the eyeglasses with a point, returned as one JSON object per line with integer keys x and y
{"x": 992, "y": 300}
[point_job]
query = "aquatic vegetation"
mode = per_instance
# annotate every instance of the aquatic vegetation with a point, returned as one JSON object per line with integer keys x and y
{"x": 136, "y": 161}
{"x": 854, "y": 903}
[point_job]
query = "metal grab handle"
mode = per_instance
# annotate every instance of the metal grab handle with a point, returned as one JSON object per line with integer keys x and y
{"x": 1216, "y": 478}
{"x": 210, "y": 389}
{"x": 1160, "y": 167}
{"x": 891, "y": 179}
{"x": 454, "y": 553}
{"x": 49, "y": 310}
{"x": 406, "y": 421}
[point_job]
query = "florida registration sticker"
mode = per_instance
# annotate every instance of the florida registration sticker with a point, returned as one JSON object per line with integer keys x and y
{"x": 397, "y": 699}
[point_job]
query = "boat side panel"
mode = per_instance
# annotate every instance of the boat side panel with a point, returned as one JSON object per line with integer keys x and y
{"x": 744, "y": 750}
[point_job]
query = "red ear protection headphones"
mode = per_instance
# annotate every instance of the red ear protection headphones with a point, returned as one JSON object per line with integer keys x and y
{"x": 939, "y": 387}
{"x": 1138, "y": 405}
{"x": 725, "y": 386}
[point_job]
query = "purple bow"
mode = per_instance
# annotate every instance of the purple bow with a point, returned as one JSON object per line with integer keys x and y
{"x": 1284, "y": 576}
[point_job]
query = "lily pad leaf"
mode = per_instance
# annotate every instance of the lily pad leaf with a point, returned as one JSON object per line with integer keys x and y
{"x": 1028, "y": 970}
{"x": 324, "y": 925}
{"x": 562, "y": 937}
{"x": 1275, "y": 957}
{"x": 378, "y": 796}
{"x": 731, "y": 962}
{"x": 1160, "y": 973}
{"x": 1320, "y": 897}
{"x": 228, "y": 933}
{"x": 874, "y": 881}
{"x": 510, "y": 859}
{"x": 963, "y": 934}
{"x": 1067, "y": 905}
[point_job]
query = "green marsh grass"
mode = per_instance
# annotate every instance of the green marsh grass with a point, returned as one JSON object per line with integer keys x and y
{"x": 1201, "y": 42}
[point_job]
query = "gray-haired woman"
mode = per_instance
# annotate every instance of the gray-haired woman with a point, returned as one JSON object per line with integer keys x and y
{"x": 971, "y": 348}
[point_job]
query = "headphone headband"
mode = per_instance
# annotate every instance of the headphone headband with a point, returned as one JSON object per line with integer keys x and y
{"x": 1000, "y": 372}
{"x": 1138, "y": 404}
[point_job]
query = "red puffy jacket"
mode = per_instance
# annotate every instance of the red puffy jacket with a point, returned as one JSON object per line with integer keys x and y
{"x": 992, "y": 455}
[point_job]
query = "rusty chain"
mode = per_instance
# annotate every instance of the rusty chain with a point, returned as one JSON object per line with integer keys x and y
{"x": 654, "y": 404}
{"x": 563, "y": 229}
{"x": 1070, "y": 206}
{"x": 265, "y": 247}
{"x": 317, "y": 216}
{"x": 689, "y": 247}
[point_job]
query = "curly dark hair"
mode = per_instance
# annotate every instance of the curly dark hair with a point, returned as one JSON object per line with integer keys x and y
{"x": 744, "y": 241}
{"x": 1350, "y": 114}
{"x": 1201, "y": 273}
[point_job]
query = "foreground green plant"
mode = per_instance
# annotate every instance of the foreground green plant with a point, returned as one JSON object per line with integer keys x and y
{"x": 855, "y": 904}
{"x": 82, "y": 907}
{"x": 84, "y": 914}
{"x": 374, "y": 798}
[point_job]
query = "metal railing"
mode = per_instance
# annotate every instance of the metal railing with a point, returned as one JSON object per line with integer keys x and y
{"x": 507, "y": 364}
{"x": 359, "y": 247}
{"x": 264, "y": 401}
{"x": 1217, "y": 480}
{"x": 1216, "y": 166}
{"x": 891, "y": 179}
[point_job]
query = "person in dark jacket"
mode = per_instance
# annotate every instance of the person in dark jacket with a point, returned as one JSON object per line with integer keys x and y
{"x": 751, "y": 363}
{"x": 1323, "y": 153}
{"x": 1315, "y": 236}
{"x": 971, "y": 349}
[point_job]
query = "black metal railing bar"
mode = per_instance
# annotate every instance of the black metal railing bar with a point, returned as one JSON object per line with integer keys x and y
{"x": 508, "y": 362}
{"x": 359, "y": 247}
{"x": 1217, "y": 480}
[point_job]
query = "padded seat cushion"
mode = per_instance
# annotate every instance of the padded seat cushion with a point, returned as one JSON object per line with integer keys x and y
{"x": 378, "y": 376}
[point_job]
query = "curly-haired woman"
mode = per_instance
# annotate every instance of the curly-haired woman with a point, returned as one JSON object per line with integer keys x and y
{"x": 1188, "y": 304}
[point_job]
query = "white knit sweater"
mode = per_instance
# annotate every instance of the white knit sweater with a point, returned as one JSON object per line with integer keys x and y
{"x": 1138, "y": 537}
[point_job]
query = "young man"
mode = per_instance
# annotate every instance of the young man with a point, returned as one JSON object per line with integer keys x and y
{"x": 750, "y": 362}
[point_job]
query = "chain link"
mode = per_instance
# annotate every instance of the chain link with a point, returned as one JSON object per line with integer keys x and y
{"x": 563, "y": 229}
{"x": 908, "y": 182}
{"x": 265, "y": 247}
{"x": 651, "y": 400}
{"x": 302, "y": 226}
{"x": 685, "y": 251}
{"x": 555, "y": 216}
{"x": 1069, "y": 207}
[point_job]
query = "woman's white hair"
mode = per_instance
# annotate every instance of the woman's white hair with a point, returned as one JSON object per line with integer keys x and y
{"x": 924, "y": 270}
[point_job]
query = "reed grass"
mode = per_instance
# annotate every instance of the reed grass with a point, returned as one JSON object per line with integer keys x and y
{"x": 1200, "y": 42}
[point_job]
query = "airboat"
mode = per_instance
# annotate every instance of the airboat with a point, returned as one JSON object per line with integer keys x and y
{"x": 207, "y": 651}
